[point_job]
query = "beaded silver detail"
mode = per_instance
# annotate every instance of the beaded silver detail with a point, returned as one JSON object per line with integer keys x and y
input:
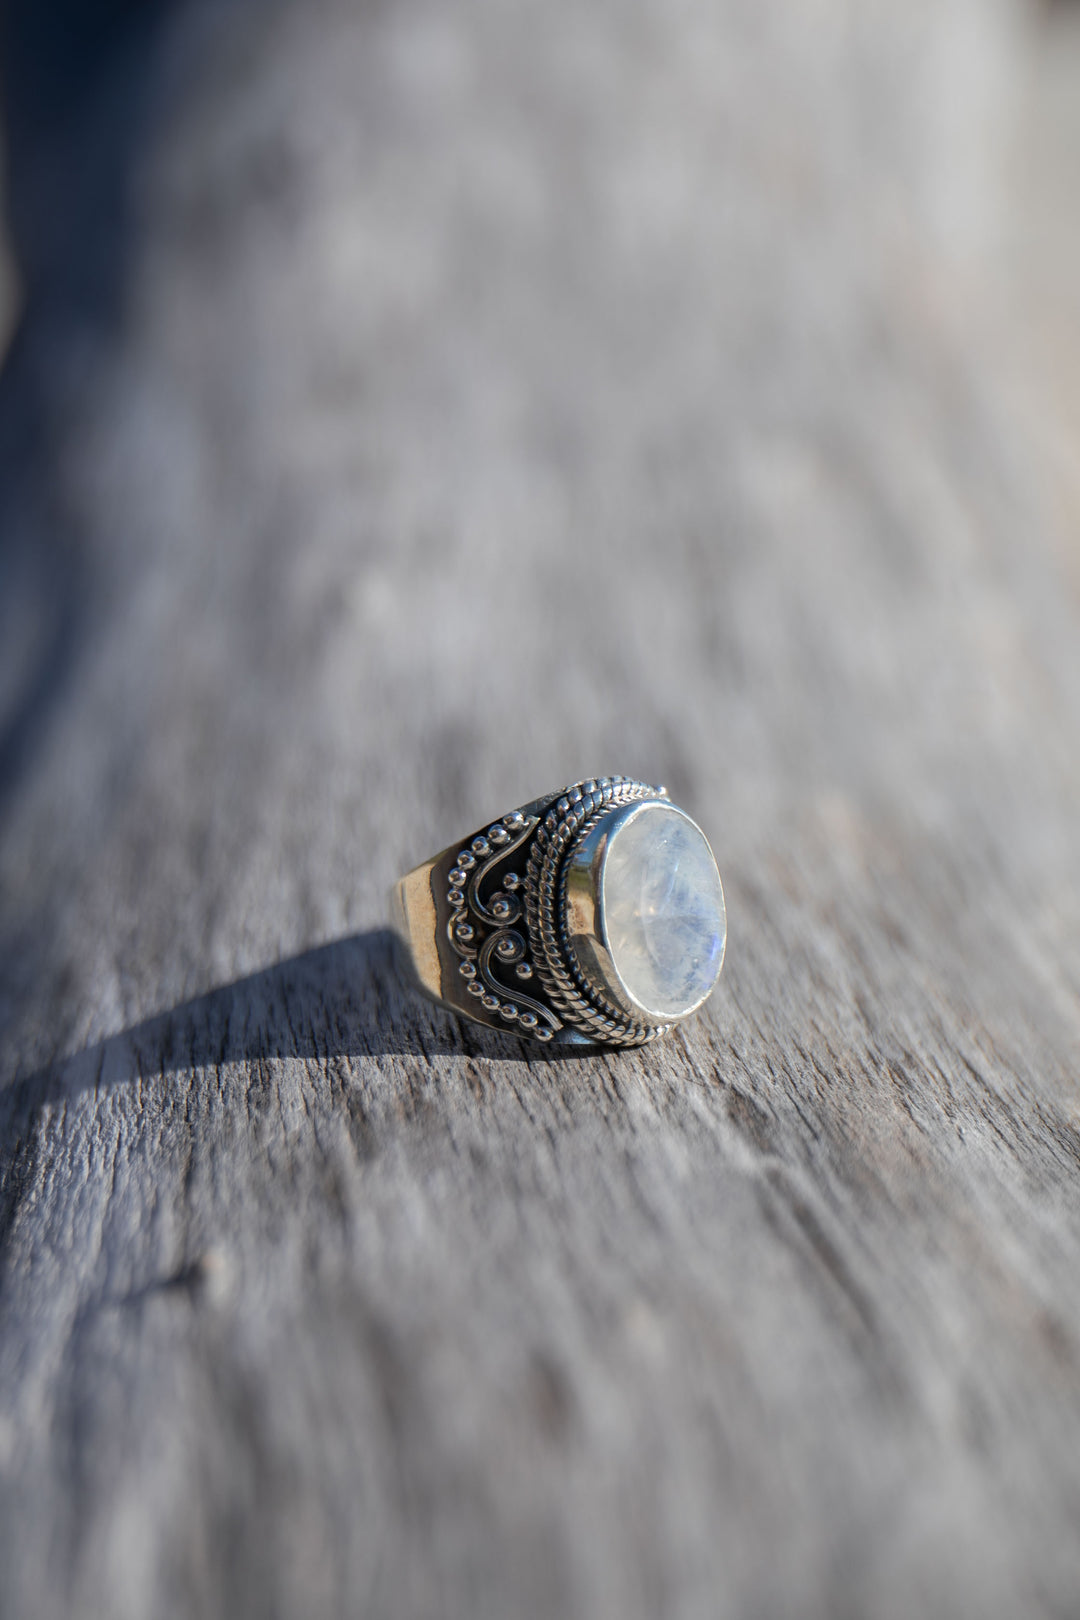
{"x": 480, "y": 925}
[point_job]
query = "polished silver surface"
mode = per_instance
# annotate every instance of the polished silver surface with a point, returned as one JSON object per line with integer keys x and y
{"x": 508, "y": 925}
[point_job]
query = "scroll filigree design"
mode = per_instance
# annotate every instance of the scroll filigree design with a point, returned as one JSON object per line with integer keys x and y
{"x": 480, "y": 927}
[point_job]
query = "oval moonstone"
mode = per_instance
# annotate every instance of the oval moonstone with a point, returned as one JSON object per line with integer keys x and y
{"x": 662, "y": 911}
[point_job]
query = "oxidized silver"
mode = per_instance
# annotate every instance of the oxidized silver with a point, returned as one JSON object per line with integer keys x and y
{"x": 508, "y": 926}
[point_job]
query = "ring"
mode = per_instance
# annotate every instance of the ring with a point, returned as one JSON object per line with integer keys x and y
{"x": 594, "y": 916}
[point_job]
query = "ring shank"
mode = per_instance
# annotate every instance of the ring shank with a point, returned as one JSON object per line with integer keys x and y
{"x": 414, "y": 918}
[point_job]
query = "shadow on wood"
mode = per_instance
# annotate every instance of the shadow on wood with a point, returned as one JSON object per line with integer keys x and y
{"x": 352, "y": 998}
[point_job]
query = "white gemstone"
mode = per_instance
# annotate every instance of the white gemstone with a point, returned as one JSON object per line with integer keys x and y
{"x": 663, "y": 911}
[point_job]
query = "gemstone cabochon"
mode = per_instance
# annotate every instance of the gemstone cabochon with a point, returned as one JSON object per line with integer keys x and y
{"x": 662, "y": 911}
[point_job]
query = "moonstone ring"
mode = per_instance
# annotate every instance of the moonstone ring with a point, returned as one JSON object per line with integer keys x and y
{"x": 594, "y": 916}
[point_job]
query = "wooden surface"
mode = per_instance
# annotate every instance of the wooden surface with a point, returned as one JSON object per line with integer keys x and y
{"x": 418, "y": 406}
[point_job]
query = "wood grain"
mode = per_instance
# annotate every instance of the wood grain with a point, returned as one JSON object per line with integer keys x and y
{"x": 471, "y": 399}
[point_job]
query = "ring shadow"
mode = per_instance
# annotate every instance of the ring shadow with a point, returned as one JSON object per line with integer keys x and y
{"x": 355, "y": 997}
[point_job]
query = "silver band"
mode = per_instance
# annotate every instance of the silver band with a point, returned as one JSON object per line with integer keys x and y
{"x": 506, "y": 926}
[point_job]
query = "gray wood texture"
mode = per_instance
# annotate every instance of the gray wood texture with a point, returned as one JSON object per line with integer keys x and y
{"x": 418, "y": 406}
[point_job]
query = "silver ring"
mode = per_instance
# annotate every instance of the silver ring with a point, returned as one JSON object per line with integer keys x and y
{"x": 594, "y": 916}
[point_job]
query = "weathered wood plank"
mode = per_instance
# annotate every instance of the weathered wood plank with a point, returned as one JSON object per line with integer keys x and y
{"x": 490, "y": 398}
